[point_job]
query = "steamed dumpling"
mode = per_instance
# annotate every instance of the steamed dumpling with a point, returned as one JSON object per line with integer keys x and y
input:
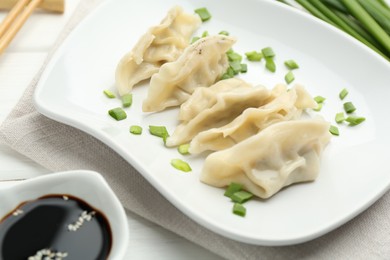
{"x": 284, "y": 105}
{"x": 282, "y": 154}
{"x": 162, "y": 43}
{"x": 200, "y": 65}
{"x": 215, "y": 106}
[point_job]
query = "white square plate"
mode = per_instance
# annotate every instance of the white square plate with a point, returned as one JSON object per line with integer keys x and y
{"x": 355, "y": 171}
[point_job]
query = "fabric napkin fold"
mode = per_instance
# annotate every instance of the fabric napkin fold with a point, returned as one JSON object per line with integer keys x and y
{"x": 59, "y": 147}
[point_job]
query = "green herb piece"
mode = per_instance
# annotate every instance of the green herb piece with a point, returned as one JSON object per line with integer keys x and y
{"x": 183, "y": 149}
{"x": 160, "y": 131}
{"x": 236, "y": 66}
{"x": 135, "y": 129}
{"x": 109, "y": 93}
{"x": 270, "y": 64}
{"x": 343, "y": 93}
{"x": 319, "y": 107}
{"x": 205, "y": 34}
{"x": 268, "y": 52}
{"x": 355, "y": 120}
{"x": 291, "y": 64}
{"x": 226, "y": 76}
{"x": 289, "y": 77}
{"x": 203, "y": 13}
{"x": 234, "y": 56}
{"x": 254, "y": 56}
{"x": 241, "y": 196}
{"x": 226, "y": 33}
{"x": 127, "y": 100}
{"x": 194, "y": 39}
{"x": 181, "y": 165}
{"x": 232, "y": 188}
{"x": 340, "y": 117}
{"x": 117, "y": 113}
{"x": 319, "y": 99}
{"x": 244, "y": 68}
{"x": 334, "y": 130}
{"x": 349, "y": 107}
{"x": 239, "y": 209}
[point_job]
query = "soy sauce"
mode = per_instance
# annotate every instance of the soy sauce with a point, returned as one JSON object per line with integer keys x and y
{"x": 61, "y": 225}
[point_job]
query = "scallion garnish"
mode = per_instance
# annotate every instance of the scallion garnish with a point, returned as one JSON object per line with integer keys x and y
{"x": 319, "y": 99}
{"x": 291, "y": 64}
{"x": 183, "y": 149}
{"x": 319, "y": 107}
{"x": 343, "y": 93}
{"x": 194, "y": 39}
{"x": 205, "y": 34}
{"x": 181, "y": 165}
{"x": 289, "y": 77}
{"x": 244, "y": 68}
{"x": 268, "y": 52}
{"x": 160, "y": 131}
{"x": 355, "y": 120}
{"x": 226, "y": 33}
{"x": 236, "y": 66}
{"x": 127, "y": 100}
{"x": 135, "y": 129}
{"x": 117, "y": 113}
{"x": 109, "y": 93}
{"x": 241, "y": 196}
{"x": 239, "y": 209}
{"x": 203, "y": 13}
{"x": 334, "y": 130}
{"x": 232, "y": 188}
{"x": 349, "y": 107}
{"x": 254, "y": 56}
{"x": 233, "y": 56}
{"x": 270, "y": 64}
{"x": 340, "y": 117}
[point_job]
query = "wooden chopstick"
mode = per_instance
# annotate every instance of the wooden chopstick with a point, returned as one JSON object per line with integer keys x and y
{"x": 15, "y": 20}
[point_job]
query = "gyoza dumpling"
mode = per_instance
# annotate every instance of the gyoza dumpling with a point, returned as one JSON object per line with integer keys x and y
{"x": 284, "y": 105}
{"x": 162, "y": 43}
{"x": 284, "y": 153}
{"x": 200, "y": 65}
{"x": 215, "y": 106}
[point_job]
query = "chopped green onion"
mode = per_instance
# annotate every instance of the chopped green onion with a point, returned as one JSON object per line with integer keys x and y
{"x": 203, "y": 13}
{"x": 135, "y": 129}
{"x": 319, "y": 99}
{"x": 334, "y": 130}
{"x": 291, "y": 64}
{"x": 241, "y": 196}
{"x": 270, "y": 64}
{"x": 244, "y": 68}
{"x": 239, "y": 209}
{"x": 224, "y": 33}
{"x": 289, "y": 77}
{"x": 232, "y": 188}
{"x": 181, "y": 165}
{"x": 319, "y": 107}
{"x": 109, "y": 93}
{"x": 343, "y": 93}
{"x": 268, "y": 52}
{"x": 127, "y": 100}
{"x": 205, "y": 34}
{"x": 183, "y": 149}
{"x": 160, "y": 131}
{"x": 254, "y": 56}
{"x": 117, "y": 113}
{"x": 355, "y": 120}
{"x": 226, "y": 76}
{"x": 236, "y": 66}
{"x": 340, "y": 117}
{"x": 349, "y": 107}
{"x": 233, "y": 56}
{"x": 194, "y": 39}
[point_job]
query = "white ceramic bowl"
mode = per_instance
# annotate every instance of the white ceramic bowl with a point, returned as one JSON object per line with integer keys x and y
{"x": 88, "y": 186}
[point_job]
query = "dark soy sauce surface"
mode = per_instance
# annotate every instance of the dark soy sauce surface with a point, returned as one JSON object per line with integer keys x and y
{"x": 44, "y": 224}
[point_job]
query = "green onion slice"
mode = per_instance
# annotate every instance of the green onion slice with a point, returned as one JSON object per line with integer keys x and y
{"x": 181, "y": 165}
{"x": 291, "y": 64}
{"x": 244, "y": 68}
{"x": 319, "y": 99}
{"x": 226, "y": 33}
{"x": 343, "y": 93}
{"x": 183, "y": 149}
{"x": 355, "y": 120}
{"x": 117, "y": 113}
{"x": 349, "y": 107}
{"x": 289, "y": 77}
{"x": 239, "y": 209}
{"x": 194, "y": 39}
{"x": 241, "y": 196}
{"x": 232, "y": 188}
{"x": 268, "y": 52}
{"x": 319, "y": 107}
{"x": 205, "y": 34}
{"x": 270, "y": 64}
{"x": 234, "y": 56}
{"x": 340, "y": 117}
{"x": 136, "y": 129}
{"x": 127, "y": 100}
{"x": 254, "y": 56}
{"x": 109, "y": 93}
{"x": 334, "y": 130}
{"x": 236, "y": 66}
{"x": 160, "y": 131}
{"x": 203, "y": 13}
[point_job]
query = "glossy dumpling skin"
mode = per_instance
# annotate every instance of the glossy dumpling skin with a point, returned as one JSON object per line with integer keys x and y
{"x": 284, "y": 105}
{"x": 283, "y": 153}
{"x": 215, "y": 106}
{"x": 160, "y": 44}
{"x": 200, "y": 65}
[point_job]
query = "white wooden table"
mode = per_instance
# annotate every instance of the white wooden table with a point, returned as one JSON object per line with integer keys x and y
{"x": 18, "y": 66}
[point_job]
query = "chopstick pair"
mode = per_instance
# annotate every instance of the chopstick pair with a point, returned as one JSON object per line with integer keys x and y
{"x": 18, "y": 15}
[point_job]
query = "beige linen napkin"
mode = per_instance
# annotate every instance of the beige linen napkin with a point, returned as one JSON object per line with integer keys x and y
{"x": 60, "y": 147}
